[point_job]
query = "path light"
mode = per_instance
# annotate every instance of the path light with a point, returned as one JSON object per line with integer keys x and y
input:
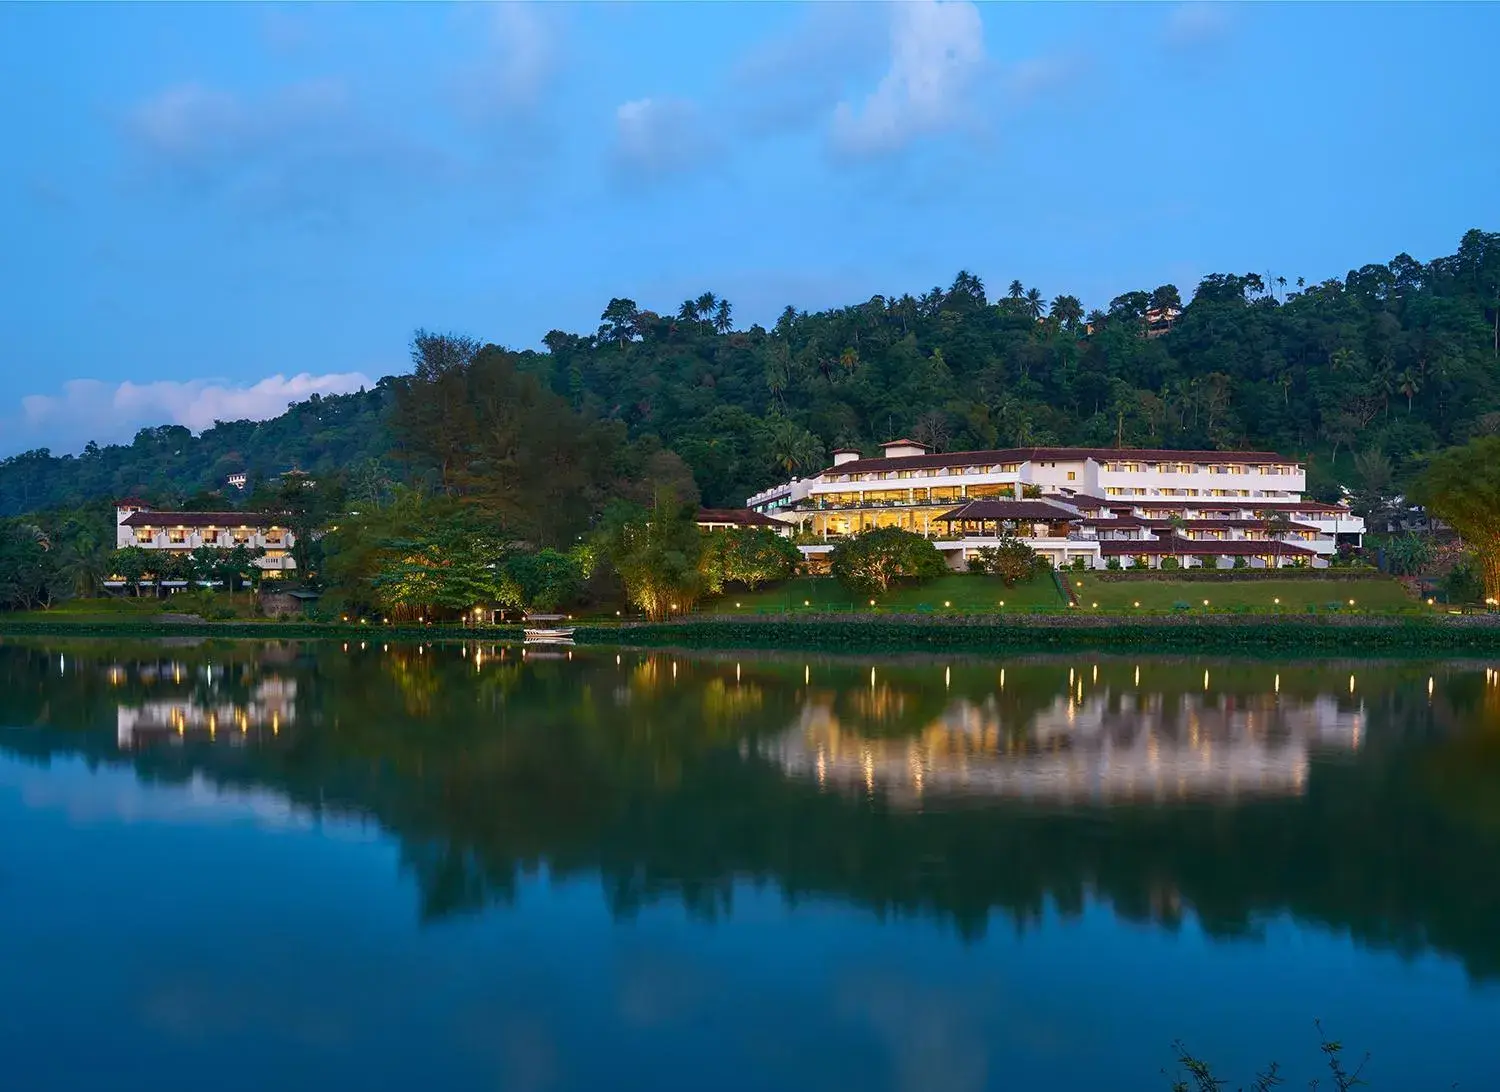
{"x": 872, "y": 602}
{"x": 1205, "y": 602}
{"x": 807, "y": 602}
{"x": 736, "y": 607}
{"x": 1429, "y": 602}
{"x": 617, "y": 614}
{"x": 1351, "y": 602}
{"x": 1002, "y": 602}
{"x": 1277, "y": 600}
{"x": 1096, "y": 606}
{"x": 946, "y": 603}
{"x": 1137, "y": 602}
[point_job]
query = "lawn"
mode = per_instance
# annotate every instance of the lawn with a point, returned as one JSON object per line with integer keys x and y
{"x": 1376, "y": 595}
{"x": 959, "y": 593}
{"x": 125, "y": 608}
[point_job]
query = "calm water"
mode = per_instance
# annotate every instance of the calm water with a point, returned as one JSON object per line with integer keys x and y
{"x": 246, "y": 866}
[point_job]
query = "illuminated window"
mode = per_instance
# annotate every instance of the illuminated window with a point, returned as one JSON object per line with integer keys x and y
{"x": 177, "y": 535}
{"x": 1072, "y": 476}
{"x": 144, "y": 535}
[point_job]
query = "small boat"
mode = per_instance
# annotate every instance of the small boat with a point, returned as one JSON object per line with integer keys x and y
{"x": 538, "y": 629}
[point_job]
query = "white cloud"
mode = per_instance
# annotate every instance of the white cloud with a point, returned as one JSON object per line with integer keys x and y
{"x": 88, "y": 409}
{"x": 937, "y": 53}
{"x": 518, "y": 43}
{"x": 656, "y": 137}
{"x": 194, "y": 124}
{"x": 1195, "y": 24}
{"x": 795, "y": 78}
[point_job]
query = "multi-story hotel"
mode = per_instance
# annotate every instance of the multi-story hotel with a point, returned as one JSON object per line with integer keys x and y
{"x": 1094, "y": 504}
{"x": 137, "y": 524}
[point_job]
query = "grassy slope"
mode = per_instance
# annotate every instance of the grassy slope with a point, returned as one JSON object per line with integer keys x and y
{"x": 1379, "y": 595}
{"x": 964, "y": 592}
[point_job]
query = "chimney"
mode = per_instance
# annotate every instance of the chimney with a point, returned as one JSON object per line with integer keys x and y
{"x": 844, "y": 455}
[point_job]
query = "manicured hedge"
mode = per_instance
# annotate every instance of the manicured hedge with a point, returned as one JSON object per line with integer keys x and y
{"x": 1219, "y": 634}
{"x": 1211, "y": 575}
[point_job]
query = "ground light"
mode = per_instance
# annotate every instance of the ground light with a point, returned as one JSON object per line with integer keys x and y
{"x": 1205, "y": 602}
{"x": 946, "y": 603}
{"x": 1137, "y": 602}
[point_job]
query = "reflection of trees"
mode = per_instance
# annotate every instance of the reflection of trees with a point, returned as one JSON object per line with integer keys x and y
{"x": 653, "y": 777}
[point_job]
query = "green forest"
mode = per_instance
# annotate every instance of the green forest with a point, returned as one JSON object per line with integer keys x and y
{"x": 604, "y": 442}
{"x": 1391, "y": 362}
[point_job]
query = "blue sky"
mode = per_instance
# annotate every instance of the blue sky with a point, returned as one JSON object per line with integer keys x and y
{"x": 208, "y": 210}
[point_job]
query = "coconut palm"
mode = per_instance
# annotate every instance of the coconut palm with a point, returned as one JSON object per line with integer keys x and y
{"x": 1067, "y": 310}
{"x": 1017, "y": 290}
{"x": 1035, "y": 307}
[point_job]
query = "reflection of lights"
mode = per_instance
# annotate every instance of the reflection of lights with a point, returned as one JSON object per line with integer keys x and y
{"x": 1002, "y": 678}
{"x": 806, "y": 674}
{"x": 736, "y": 672}
{"x": 1276, "y": 684}
{"x": 872, "y": 678}
{"x": 1351, "y": 684}
{"x": 1429, "y": 686}
{"x": 948, "y": 677}
{"x": 1096, "y": 673}
{"x": 1137, "y": 674}
{"x": 1205, "y": 678}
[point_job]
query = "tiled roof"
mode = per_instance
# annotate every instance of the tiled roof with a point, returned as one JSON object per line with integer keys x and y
{"x": 227, "y": 520}
{"x": 1190, "y": 548}
{"x": 1007, "y": 509}
{"x": 1061, "y": 454}
{"x": 740, "y": 517}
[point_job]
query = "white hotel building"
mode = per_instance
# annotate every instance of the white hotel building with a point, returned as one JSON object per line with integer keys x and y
{"x": 137, "y": 524}
{"x": 1137, "y": 505}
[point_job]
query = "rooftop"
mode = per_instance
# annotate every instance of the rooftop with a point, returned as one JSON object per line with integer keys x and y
{"x": 739, "y": 517}
{"x": 1059, "y": 454}
{"x": 199, "y": 519}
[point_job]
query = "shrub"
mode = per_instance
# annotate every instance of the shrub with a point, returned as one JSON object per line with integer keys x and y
{"x": 1079, "y": 565}
{"x": 1170, "y": 563}
{"x": 1010, "y": 559}
{"x": 1112, "y": 563}
{"x": 872, "y": 560}
{"x": 1180, "y": 605}
{"x": 1241, "y": 562}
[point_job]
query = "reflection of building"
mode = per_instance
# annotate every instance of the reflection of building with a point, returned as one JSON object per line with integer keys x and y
{"x": 1201, "y": 507}
{"x": 1106, "y": 747}
{"x": 270, "y": 706}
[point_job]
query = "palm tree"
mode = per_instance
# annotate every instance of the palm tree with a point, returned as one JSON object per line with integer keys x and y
{"x": 688, "y": 312}
{"x": 1034, "y": 305}
{"x": 1067, "y": 310}
{"x": 1409, "y": 383}
{"x": 705, "y": 304}
{"x": 1017, "y": 290}
{"x": 724, "y": 317}
{"x": 1177, "y": 525}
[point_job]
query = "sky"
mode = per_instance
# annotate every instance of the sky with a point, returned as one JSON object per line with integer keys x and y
{"x": 208, "y": 211}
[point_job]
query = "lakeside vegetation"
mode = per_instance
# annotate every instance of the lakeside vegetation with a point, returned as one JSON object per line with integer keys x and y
{"x": 566, "y": 479}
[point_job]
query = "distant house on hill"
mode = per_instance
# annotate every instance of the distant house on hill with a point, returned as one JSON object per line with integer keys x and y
{"x": 728, "y": 519}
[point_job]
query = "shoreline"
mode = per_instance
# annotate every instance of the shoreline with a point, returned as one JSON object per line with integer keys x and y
{"x": 1348, "y": 634}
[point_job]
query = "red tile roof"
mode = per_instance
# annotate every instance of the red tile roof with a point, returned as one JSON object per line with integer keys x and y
{"x": 1064, "y": 454}
{"x": 227, "y": 520}
{"x": 1007, "y": 509}
{"x": 739, "y": 517}
{"x": 1190, "y": 548}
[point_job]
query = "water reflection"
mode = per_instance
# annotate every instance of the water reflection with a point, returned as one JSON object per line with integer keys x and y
{"x": 1107, "y": 746}
{"x": 1360, "y": 797}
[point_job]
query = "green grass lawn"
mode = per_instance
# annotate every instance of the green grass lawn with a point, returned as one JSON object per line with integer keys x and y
{"x": 1376, "y": 595}
{"x": 958, "y": 593}
{"x": 124, "y": 608}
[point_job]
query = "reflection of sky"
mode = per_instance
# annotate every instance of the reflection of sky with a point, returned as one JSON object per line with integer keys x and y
{"x": 194, "y": 950}
{"x": 112, "y": 795}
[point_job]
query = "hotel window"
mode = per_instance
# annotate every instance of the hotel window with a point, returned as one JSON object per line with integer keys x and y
{"x": 241, "y": 537}
{"x": 144, "y": 534}
{"x": 1072, "y": 477}
{"x": 1111, "y": 491}
{"x": 177, "y": 536}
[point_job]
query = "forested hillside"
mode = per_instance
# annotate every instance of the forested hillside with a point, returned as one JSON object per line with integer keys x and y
{"x": 170, "y": 464}
{"x": 1362, "y": 375}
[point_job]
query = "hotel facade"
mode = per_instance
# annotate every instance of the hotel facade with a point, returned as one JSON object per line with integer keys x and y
{"x": 1073, "y": 505}
{"x": 137, "y": 524}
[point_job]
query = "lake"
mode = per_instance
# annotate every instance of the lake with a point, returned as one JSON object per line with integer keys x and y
{"x": 323, "y": 865}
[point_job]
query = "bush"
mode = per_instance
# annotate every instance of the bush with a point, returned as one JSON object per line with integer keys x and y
{"x": 1242, "y": 562}
{"x": 872, "y": 560}
{"x": 1170, "y": 563}
{"x": 1079, "y": 565}
{"x": 1180, "y": 605}
{"x": 1010, "y": 559}
{"x": 1112, "y": 563}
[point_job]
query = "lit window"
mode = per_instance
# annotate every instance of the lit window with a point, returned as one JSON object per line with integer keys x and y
{"x": 1072, "y": 476}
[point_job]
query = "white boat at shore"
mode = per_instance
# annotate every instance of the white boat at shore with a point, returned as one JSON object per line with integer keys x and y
{"x": 542, "y": 629}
